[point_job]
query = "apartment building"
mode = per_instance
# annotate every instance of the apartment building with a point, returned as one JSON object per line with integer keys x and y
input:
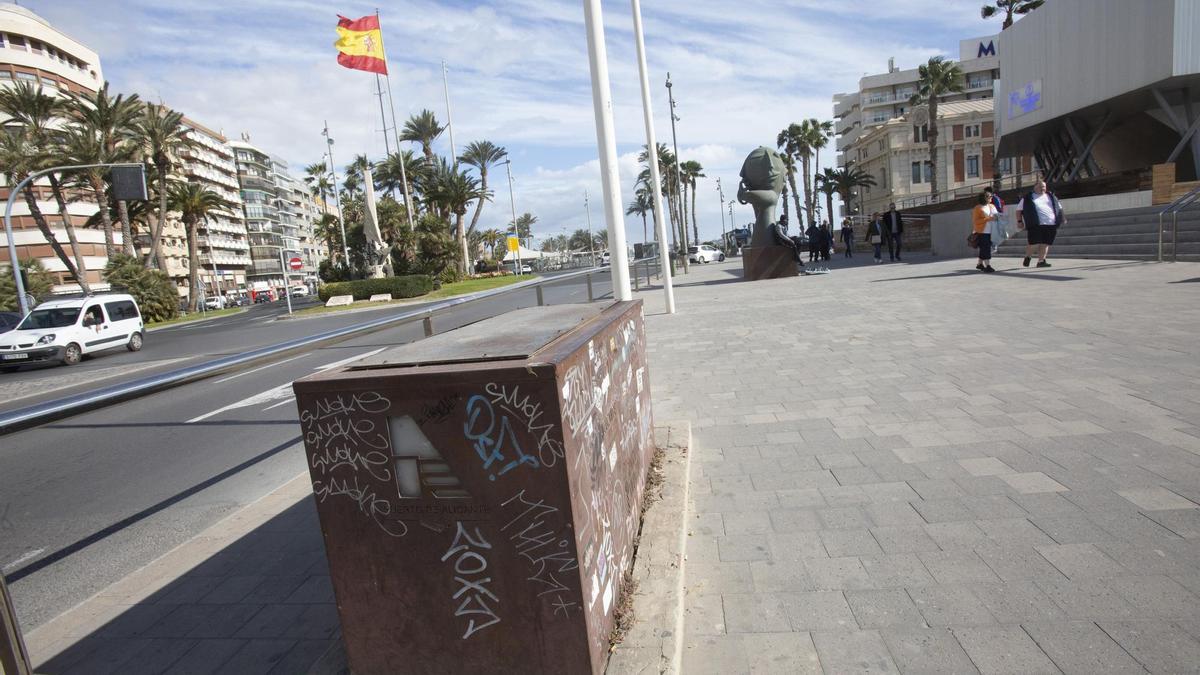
{"x": 224, "y": 248}
{"x": 32, "y": 50}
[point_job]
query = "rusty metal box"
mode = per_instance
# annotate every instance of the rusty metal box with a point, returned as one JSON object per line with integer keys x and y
{"x": 479, "y": 491}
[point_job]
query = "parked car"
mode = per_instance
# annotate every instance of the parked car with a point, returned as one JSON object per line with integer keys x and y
{"x": 705, "y": 254}
{"x": 9, "y": 321}
{"x": 64, "y": 330}
{"x": 262, "y": 297}
{"x": 299, "y": 291}
{"x": 214, "y": 302}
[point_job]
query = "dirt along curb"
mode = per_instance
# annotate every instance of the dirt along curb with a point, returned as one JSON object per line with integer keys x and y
{"x": 653, "y": 639}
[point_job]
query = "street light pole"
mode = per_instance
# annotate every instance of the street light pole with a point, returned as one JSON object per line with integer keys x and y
{"x": 678, "y": 176}
{"x": 337, "y": 198}
{"x": 721, "y": 195}
{"x": 591, "y": 242}
{"x": 512, "y": 202}
{"x": 731, "y": 223}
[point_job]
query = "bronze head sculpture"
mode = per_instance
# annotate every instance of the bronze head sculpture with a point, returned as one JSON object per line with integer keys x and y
{"x": 762, "y": 182}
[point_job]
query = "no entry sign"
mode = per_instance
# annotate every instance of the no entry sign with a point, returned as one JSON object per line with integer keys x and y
{"x": 295, "y": 263}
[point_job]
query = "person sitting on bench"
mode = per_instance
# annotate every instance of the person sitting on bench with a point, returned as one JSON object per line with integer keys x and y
{"x": 780, "y": 236}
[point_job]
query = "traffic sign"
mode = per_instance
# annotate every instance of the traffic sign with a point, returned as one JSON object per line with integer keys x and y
{"x": 513, "y": 243}
{"x": 295, "y": 263}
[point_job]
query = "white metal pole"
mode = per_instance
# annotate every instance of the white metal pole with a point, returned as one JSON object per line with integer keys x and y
{"x": 337, "y": 198}
{"x": 721, "y": 209}
{"x": 587, "y": 206}
{"x": 396, "y": 129}
{"x": 607, "y": 141}
{"x": 287, "y": 290}
{"x": 660, "y": 226}
{"x": 512, "y": 202}
{"x": 449, "y": 118}
{"x": 683, "y": 237}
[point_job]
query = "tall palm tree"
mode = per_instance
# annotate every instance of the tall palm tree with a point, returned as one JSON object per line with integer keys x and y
{"x": 524, "y": 226}
{"x": 792, "y": 142}
{"x": 453, "y": 190}
{"x": 935, "y": 79}
{"x": 641, "y": 205}
{"x": 423, "y": 128}
{"x": 492, "y": 238}
{"x": 163, "y": 136}
{"x": 1010, "y": 7}
{"x": 669, "y": 188}
{"x": 352, "y": 180}
{"x": 32, "y": 113}
{"x": 316, "y": 175}
{"x": 827, "y": 184}
{"x": 195, "y": 203}
{"x": 113, "y": 122}
{"x": 482, "y": 155}
{"x": 848, "y": 179}
{"x": 821, "y": 133}
{"x": 326, "y": 228}
{"x": 388, "y": 175}
{"x": 692, "y": 170}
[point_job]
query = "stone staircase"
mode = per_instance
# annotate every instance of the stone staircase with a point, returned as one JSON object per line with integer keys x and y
{"x": 1126, "y": 234}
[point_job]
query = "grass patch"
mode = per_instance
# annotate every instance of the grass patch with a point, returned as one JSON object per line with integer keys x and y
{"x": 198, "y": 316}
{"x": 446, "y": 291}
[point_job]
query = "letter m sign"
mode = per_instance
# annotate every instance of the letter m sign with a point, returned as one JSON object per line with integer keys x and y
{"x": 988, "y": 49}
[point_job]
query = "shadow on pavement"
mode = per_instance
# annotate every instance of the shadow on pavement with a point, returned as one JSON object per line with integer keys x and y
{"x": 974, "y": 272}
{"x": 134, "y": 425}
{"x": 1186, "y": 281}
{"x": 263, "y": 604}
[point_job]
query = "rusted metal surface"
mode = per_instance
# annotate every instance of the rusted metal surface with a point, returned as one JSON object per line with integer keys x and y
{"x": 480, "y": 515}
{"x": 14, "y": 660}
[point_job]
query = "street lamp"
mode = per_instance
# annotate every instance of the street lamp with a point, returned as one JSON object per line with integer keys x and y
{"x": 337, "y": 197}
{"x": 287, "y": 289}
{"x": 678, "y": 173}
{"x": 721, "y": 194}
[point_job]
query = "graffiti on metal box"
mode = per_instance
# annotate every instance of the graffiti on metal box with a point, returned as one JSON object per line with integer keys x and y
{"x": 547, "y": 549}
{"x": 470, "y": 565}
{"x": 529, "y": 413}
{"x": 493, "y": 438}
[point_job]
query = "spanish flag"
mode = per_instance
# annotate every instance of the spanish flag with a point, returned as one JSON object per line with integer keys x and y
{"x": 360, "y": 44}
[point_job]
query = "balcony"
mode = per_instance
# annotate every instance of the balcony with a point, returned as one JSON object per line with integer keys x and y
{"x": 225, "y": 260}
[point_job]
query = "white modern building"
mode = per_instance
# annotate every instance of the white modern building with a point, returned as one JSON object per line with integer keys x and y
{"x": 1100, "y": 87}
{"x": 33, "y": 51}
{"x": 223, "y": 242}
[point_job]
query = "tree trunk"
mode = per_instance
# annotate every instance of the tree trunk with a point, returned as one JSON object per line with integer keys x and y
{"x": 796, "y": 201}
{"x": 126, "y": 228}
{"x": 933, "y": 136}
{"x": 462, "y": 241}
{"x": 829, "y": 205}
{"x": 155, "y": 254}
{"x": 81, "y": 276}
{"x": 194, "y": 267}
{"x": 808, "y": 196}
{"x": 784, "y": 196}
{"x": 479, "y": 204}
{"x": 645, "y": 230}
{"x": 695, "y": 227}
{"x": 110, "y": 246}
{"x": 40, "y": 219}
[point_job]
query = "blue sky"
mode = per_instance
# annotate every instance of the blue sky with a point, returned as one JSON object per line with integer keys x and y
{"x": 518, "y": 77}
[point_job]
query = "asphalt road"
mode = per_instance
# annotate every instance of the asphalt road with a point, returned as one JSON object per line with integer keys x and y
{"x": 86, "y": 500}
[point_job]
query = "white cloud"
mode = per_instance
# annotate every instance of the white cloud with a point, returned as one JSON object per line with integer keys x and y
{"x": 518, "y": 76}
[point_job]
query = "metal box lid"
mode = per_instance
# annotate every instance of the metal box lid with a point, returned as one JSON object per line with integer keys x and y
{"x": 511, "y": 336}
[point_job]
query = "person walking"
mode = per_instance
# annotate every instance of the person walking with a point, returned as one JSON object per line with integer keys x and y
{"x": 1000, "y": 232}
{"x": 848, "y": 237}
{"x": 893, "y": 231}
{"x": 875, "y": 236}
{"x": 826, "y": 242}
{"x": 1040, "y": 214}
{"x": 814, "y": 241}
{"x": 983, "y": 220}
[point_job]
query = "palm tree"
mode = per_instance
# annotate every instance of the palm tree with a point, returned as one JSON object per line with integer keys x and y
{"x": 31, "y": 146}
{"x": 194, "y": 202}
{"x": 580, "y": 240}
{"x": 524, "y": 226}
{"x": 423, "y": 128}
{"x": 1010, "y": 7}
{"x": 317, "y": 177}
{"x": 821, "y": 133}
{"x": 113, "y": 122}
{"x": 388, "y": 175}
{"x": 692, "y": 170}
{"x": 352, "y": 180}
{"x": 669, "y": 188}
{"x": 848, "y": 179}
{"x": 453, "y": 190}
{"x": 492, "y": 238}
{"x": 481, "y": 155}
{"x": 163, "y": 136}
{"x": 326, "y": 228}
{"x": 791, "y": 141}
{"x": 934, "y": 80}
{"x": 641, "y": 205}
{"x": 600, "y": 237}
{"x": 827, "y": 184}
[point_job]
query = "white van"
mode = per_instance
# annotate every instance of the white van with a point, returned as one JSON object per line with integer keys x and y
{"x": 64, "y": 330}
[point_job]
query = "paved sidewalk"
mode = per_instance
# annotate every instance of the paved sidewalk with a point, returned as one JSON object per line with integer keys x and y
{"x": 920, "y": 468}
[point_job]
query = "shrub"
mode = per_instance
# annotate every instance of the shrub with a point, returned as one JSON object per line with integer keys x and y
{"x": 38, "y": 284}
{"x": 409, "y": 286}
{"x": 155, "y": 294}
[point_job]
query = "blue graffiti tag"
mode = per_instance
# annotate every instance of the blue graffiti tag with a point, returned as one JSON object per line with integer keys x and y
{"x": 481, "y": 422}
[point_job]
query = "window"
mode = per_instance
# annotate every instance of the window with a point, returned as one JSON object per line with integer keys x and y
{"x": 5, "y": 75}
{"x": 35, "y": 46}
{"x": 1, "y": 40}
{"x": 971, "y": 130}
{"x": 921, "y": 133}
{"x": 973, "y": 166}
{"x": 916, "y": 172}
{"x": 928, "y": 172}
{"x": 1004, "y": 165}
{"x": 119, "y": 311}
{"x": 881, "y": 145}
{"x": 49, "y": 82}
{"x": 16, "y": 41}
{"x": 922, "y": 176}
{"x": 28, "y": 77}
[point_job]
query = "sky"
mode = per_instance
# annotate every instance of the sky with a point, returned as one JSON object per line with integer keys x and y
{"x": 518, "y": 76}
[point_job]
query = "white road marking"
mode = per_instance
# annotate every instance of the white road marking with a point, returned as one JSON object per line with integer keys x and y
{"x": 28, "y": 556}
{"x": 276, "y": 395}
{"x": 255, "y": 370}
{"x": 283, "y": 402}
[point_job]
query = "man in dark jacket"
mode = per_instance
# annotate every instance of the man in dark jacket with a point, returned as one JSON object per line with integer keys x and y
{"x": 893, "y": 231}
{"x": 1040, "y": 214}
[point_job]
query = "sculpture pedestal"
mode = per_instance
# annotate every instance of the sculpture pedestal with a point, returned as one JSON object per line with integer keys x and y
{"x": 768, "y": 262}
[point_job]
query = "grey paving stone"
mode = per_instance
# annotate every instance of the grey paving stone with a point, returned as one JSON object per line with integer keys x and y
{"x": 712, "y": 524}
{"x": 957, "y": 567}
{"x": 795, "y": 520}
{"x": 743, "y": 547}
{"x": 937, "y": 488}
{"x": 1072, "y": 529}
{"x": 1156, "y": 499}
{"x": 726, "y": 577}
{"x": 1046, "y": 504}
{"x": 779, "y": 653}
{"x": 927, "y": 651}
{"x": 889, "y": 492}
{"x": 754, "y": 612}
{"x": 1080, "y": 561}
{"x": 800, "y": 498}
{"x": 853, "y": 652}
{"x": 964, "y": 535}
{"x": 842, "y": 543}
{"x": 981, "y": 486}
{"x": 837, "y": 573}
{"x": 772, "y": 576}
{"x": 1014, "y": 532}
{"x": 746, "y": 522}
{"x": 1157, "y": 597}
{"x": 993, "y": 507}
{"x": 714, "y": 654}
{"x": 845, "y": 495}
{"x": 1087, "y": 599}
{"x": 1081, "y": 647}
{"x": 943, "y": 510}
{"x": 1031, "y": 482}
{"x": 849, "y": 517}
{"x": 1004, "y": 650}
{"x": 792, "y": 546}
{"x": 1017, "y": 602}
{"x": 704, "y": 614}
{"x": 818, "y": 610}
{"x": 985, "y": 466}
{"x": 894, "y": 514}
{"x": 896, "y": 571}
{"x": 1185, "y": 523}
{"x": 883, "y": 607}
{"x": 908, "y": 539}
{"x": 950, "y": 606}
{"x": 1157, "y": 645}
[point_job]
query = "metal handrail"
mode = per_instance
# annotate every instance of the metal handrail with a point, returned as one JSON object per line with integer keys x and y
{"x": 653, "y": 269}
{"x": 1174, "y": 208}
{"x": 23, "y": 418}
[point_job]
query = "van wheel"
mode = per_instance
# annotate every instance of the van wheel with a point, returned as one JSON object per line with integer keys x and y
{"x": 135, "y": 343}
{"x": 72, "y": 355}
{"x": 9, "y": 369}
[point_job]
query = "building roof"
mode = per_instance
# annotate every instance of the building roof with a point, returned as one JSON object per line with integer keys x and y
{"x": 979, "y": 105}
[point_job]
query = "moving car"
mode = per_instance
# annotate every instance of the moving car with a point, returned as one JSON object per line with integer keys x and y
{"x": 64, "y": 330}
{"x": 705, "y": 254}
{"x": 299, "y": 291}
{"x": 214, "y": 302}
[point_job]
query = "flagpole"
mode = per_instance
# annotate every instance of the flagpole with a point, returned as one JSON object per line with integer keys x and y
{"x": 337, "y": 197}
{"x": 387, "y": 147}
{"x": 395, "y": 127}
{"x": 449, "y": 119}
